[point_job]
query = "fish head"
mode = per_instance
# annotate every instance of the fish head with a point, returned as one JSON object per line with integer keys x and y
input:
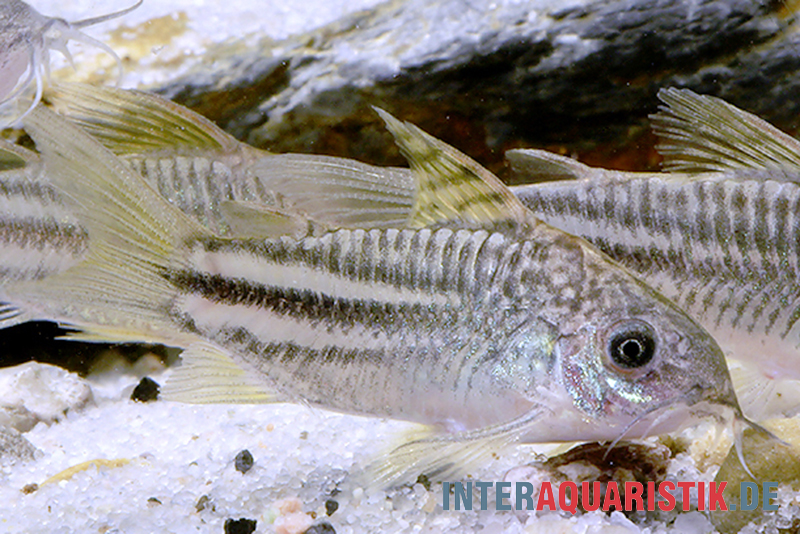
{"x": 638, "y": 365}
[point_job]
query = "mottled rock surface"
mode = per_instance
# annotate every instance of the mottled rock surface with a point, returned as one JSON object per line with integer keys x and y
{"x": 769, "y": 460}
{"x": 14, "y": 447}
{"x": 576, "y": 74}
{"x": 35, "y": 392}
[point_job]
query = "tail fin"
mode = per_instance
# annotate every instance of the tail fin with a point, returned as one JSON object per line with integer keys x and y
{"x": 118, "y": 293}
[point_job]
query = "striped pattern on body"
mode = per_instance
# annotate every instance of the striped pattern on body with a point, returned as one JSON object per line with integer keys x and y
{"x": 39, "y": 235}
{"x": 725, "y": 249}
{"x": 378, "y": 321}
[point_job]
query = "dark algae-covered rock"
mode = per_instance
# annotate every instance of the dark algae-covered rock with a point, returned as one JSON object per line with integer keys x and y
{"x": 569, "y": 74}
{"x": 240, "y": 526}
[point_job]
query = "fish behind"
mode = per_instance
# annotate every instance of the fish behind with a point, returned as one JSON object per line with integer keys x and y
{"x": 474, "y": 318}
{"x": 719, "y": 233}
{"x": 26, "y": 38}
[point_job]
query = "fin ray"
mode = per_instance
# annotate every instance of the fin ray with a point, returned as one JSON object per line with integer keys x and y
{"x": 701, "y": 133}
{"x": 207, "y": 375}
{"x": 452, "y": 187}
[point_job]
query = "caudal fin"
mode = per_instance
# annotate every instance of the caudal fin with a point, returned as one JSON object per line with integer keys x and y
{"x": 119, "y": 292}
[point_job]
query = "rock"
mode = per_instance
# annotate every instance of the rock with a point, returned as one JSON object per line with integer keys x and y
{"x": 322, "y": 527}
{"x": 575, "y": 76}
{"x": 594, "y": 462}
{"x": 34, "y": 392}
{"x": 146, "y": 390}
{"x": 487, "y": 76}
{"x": 14, "y": 447}
{"x": 243, "y": 461}
{"x": 770, "y": 461}
{"x": 240, "y": 526}
{"x": 331, "y": 506}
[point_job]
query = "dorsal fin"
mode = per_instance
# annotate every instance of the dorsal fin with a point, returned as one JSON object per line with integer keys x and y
{"x": 451, "y": 187}
{"x": 542, "y": 166}
{"x": 134, "y": 122}
{"x": 701, "y": 133}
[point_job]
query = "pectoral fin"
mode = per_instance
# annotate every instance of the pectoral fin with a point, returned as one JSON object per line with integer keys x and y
{"x": 447, "y": 456}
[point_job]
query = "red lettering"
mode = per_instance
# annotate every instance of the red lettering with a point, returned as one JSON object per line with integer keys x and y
{"x": 595, "y": 504}
{"x": 546, "y": 497}
{"x": 701, "y": 496}
{"x": 651, "y": 496}
{"x": 715, "y": 497}
{"x": 664, "y": 490}
{"x": 570, "y": 506}
{"x": 612, "y": 497}
{"x": 686, "y": 498}
{"x": 634, "y": 492}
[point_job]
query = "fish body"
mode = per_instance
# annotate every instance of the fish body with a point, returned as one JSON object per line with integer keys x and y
{"x": 719, "y": 234}
{"x": 725, "y": 248}
{"x": 194, "y": 165}
{"x": 472, "y": 317}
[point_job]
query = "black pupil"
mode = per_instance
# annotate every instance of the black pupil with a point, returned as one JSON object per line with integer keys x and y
{"x": 632, "y": 349}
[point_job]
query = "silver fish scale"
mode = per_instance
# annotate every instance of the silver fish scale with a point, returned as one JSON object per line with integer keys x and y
{"x": 389, "y": 311}
{"x": 724, "y": 249}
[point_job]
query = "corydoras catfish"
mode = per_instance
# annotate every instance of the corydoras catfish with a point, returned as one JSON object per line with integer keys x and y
{"x": 218, "y": 181}
{"x": 473, "y": 317}
{"x": 719, "y": 233}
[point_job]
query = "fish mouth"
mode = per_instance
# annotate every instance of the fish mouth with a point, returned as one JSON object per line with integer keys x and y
{"x": 724, "y": 409}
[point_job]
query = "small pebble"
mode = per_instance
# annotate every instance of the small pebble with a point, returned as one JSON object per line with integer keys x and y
{"x": 204, "y": 503}
{"x": 146, "y": 390}
{"x": 30, "y": 488}
{"x": 240, "y": 526}
{"x": 152, "y": 501}
{"x": 331, "y": 506}
{"x": 243, "y": 461}
{"x": 322, "y": 527}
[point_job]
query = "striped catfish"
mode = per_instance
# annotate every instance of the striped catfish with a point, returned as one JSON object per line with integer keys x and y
{"x": 195, "y": 165}
{"x": 473, "y": 318}
{"x": 720, "y": 151}
{"x": 719, "y": 234}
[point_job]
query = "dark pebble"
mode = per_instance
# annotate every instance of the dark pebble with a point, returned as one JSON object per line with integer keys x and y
{"x": 146, "y": 390}
{"x": 243, "y": 461}
{"x": 423, "y": 479}
{"x": 240, "y": 526}
{"x": 331, "y": 506}
{"x": 204, "y": 503}
{"x": 321, "y": 528}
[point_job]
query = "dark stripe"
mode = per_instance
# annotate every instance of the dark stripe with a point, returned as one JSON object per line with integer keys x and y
{"x": 306, "y": 305}
{"x": 39, "y": 234}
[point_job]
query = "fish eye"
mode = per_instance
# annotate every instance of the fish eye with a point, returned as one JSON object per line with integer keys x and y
{"x": 632, "y": 345}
